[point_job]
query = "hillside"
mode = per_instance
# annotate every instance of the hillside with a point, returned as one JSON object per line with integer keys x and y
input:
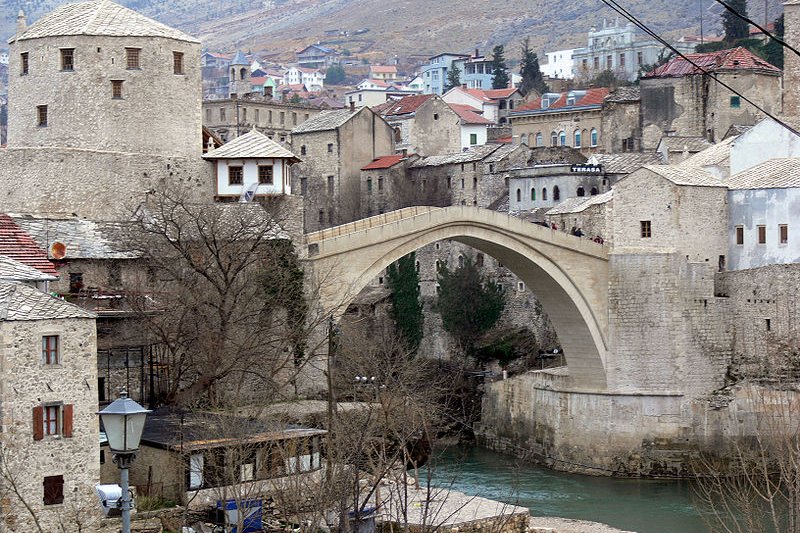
{"x": 402, "y": 27}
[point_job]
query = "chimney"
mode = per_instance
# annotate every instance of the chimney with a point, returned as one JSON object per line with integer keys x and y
{"x": 22, "y": 24}
{"x": 477, "y": 53}
{"x": 404, "y": 151}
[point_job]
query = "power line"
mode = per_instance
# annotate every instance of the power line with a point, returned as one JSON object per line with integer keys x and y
{"x": 632, "y": 18}
{"x": 763, "y": 30}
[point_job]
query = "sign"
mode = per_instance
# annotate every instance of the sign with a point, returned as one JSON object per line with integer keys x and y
{"x": 587, "y": 169}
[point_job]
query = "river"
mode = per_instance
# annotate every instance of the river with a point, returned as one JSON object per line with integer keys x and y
{"x": 644, "y": 506}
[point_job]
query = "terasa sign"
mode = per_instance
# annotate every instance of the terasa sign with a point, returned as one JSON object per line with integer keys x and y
{"x": 587, "y": 169}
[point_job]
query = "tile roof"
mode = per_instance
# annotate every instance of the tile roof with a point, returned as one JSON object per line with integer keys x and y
{"x": 625, "y": 163}
{"x": 326, "y": 120}
{"x": 403, "y": 106}
{"x": 581, "y": 203}
{"x": 82, "y": 239}
{"x": 630, "y": 93}
{"x": 468, "y": 114}
{"x": 477, "y": 153}
{"x": 20, "y": 302}
{"x": 384, "y": 69}
{"x": 11, "y": 270}
{"x": 678, "y": 143}
{"x": 713, "y": 155}
{"x": 686, "y": 175}
{"x": 502, "y": 152}
{"x": 733, "y": 59}
{"x": 588, "y": 98}
{"x": 251, "y": 145}
{"x": 387, "y": 161}
{"x": 495, "y": 94}
{"x": 100, "y": 17}
{"x": 477, "y": 93}
{"x": 258, "y": 80}
{"x": 772, "y": 174}
{"x": 17, "y": 244}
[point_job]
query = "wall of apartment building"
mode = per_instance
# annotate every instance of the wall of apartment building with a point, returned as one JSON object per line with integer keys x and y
{"x": 526, "y": 128}
{"x": 274, "y": 119}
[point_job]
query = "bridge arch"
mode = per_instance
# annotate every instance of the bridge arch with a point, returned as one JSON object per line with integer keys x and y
{"x": 568, "y": 275}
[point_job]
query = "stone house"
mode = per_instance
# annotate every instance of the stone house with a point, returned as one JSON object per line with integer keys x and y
{"x": 764, "y": 215}
{"x": 254, "y": 165}
{"x": 675, "y": 149}
{"x": 620, "y": 125}
{"x": 677, "y": 98}
{"x": 385, "y": 185}
{"x": 572, "y": 118}
{"x": 423, "y": 124}
{"x": 334, "y": 146}
{"x": 493, "y": 104}
{"x": 592, "y": 215}
{"x": 231, "y": 118}
{"x": 48, "y": 400}
{"x": 791, "y": 63}
{"x": 474, "y": 127}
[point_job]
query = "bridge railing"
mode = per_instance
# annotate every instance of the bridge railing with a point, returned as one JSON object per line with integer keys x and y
{"x": 367, "y": 223}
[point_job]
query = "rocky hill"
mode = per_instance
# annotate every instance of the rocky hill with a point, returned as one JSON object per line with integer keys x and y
{"x": 402, "y": 27}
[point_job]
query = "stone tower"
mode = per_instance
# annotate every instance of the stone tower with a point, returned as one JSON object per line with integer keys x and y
{"x": 98, "y": 76}
{"x": 240, "y": 75}
{"x": 791, "y": 63}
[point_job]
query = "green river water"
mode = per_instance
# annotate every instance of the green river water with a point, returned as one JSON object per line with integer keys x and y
{"x": 644, "y": 506}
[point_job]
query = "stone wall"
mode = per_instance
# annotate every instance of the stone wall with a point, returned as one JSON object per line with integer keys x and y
{"x": 593, "y": 221}
{"x": 791, "y": 62}
{"x": 81, "y": 111}
{"x": 27, "y": 384}
{"x": 435, "y": 129}
{"x": 93, "y": 184}
{"x": 274, "y": 119}
{"x": 527, "y": 127}
{"x": 621, "y": 131}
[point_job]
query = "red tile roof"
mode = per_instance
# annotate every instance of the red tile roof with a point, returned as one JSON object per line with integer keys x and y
{"x": 480, "y": 94}
{"x": 405, "y": 105}
{"x": 503, "y": 140}
{"x": 469, "y": 115}
{"x": 734, "y": 59}
{"x": 592, "y": 97}
{"x": 18, "y": 245}
{"x": 259, "y": 80}
{"x": 385, "y": 69}
{"x": 500, "y": 93}
{"x": 387, "y": 161}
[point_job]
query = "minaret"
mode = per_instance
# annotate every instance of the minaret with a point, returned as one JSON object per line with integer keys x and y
{"x": 22, "y": 24}
{"x": 240, "y": 75}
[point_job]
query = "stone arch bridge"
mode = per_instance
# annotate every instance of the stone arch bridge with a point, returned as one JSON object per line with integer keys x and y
{"x": 568, "y": 275}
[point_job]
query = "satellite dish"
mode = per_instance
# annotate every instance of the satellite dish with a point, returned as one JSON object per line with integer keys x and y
{"x": 58, "y": 250}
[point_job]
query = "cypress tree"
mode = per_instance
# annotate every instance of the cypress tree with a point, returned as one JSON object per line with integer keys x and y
{"x": 500, "y": 76}
{"x": 532, "y": 78}
{"x": 735, "y": 28}
{"x": 406, "y": 309}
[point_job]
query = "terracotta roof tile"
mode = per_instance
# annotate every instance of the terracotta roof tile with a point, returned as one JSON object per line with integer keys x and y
{"x": 468, "y": 114}
{"x": 387, "y": 161}
{"x": 590, "y": 97}
{"x": 18, "y": 245}
{"x": 733, "y": 59}
{"x": 404, "y": 106}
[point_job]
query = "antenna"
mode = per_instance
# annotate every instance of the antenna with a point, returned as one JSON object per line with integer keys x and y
{"x": 249, "y": 193}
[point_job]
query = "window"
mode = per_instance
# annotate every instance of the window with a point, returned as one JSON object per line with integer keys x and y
{"x": 577, "y": 138}
{"x": 479, "y": 260}
{"x": 462, "y": 183}
{"x": 50, "y": 350}
{"x": 208, "y": 114}
{"x": 330, "y": 148}
{"x": 544, "y": 194}
{"x": 436, "y": 116}
{"x": 116, "y": 89}
{"x": 539, "y": 139}
{"x": 369, "y": 185}
{"x": 553, "y": 138}
{"x": 265, "y": 174}
{"x": 556, "y": 194}
{"x": 177, "y": 62}
{"x": 294, "y": 119}
{"x": 473, "y": 138}
{"x": 597, "y": 63}
{"x": 474, "y": 183}
{"x": 269, "y": 114}
{"x": 562, "y": 138}
{"x": 75, "y": 282}
{"x": 609, "y": 62}
{"x": 594, "y": 137}
{"x": 303, "y": 150}
{"x": 739, "y": 235}
{"x": 762, "y": 234}
{"x": 736, "y": 102}
{"x": 67, "y": 59}
{"x": 41, "y": 116}
{"x": 222, "y": 113}
{"x": 23, "y": 63}
{"x": 519, "y": 195}
{"x": 520, "y": 286}
{"x": 646, "y": 229}
{"x": 283, "y": 117}
{"x": 244, "y": 114}
{"x": 380, "y": 184}
{"x": 321, "y": 215}
{"x": 784, "y": 231}
{"x": 196, "y": 471}
{"x": 303, "y": 186}
{"x": 639, "y": 58}
{"x": 132, "y": 58}
{"x": 330, "y": 184}
{"x": 53, "y": 490}
{"x": 594, "y": 191}
{"x": 580, "y": 192}
{"x": 533, "y": 194}
{"x": 52, "y": 420}
{"x": 235, "y": 175}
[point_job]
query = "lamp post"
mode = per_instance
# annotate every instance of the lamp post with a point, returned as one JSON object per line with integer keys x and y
{"x": 123, "y": 421}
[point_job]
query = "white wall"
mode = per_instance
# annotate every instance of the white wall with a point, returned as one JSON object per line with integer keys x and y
{"x": 559, "y": 64}
{"x": 455, "y": 96}
{"x": 764, "y": 141}
{"x": 366, "y": 98}
{"x": 281, "y": 179}
{"x": 477, "y": 129}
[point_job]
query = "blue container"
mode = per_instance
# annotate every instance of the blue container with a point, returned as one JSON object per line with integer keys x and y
{"x": 252, "y": 511}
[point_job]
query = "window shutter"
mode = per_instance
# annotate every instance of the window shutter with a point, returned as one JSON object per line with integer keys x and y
{"x": 68, "y": 420}
{"x": 38, "y": 422}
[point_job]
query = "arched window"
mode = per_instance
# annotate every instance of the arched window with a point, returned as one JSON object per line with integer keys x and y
{"x": 539, "y": 139}
{"x": 562, "y": 138}
{"x": 554, "y": 138}
{"x": 233, "y": 74}
{"x": 417, "y": 267}
{"x": 593, "y": 191}
{"x": 398, "y": 134}
{"x": 556, "y": 194}
{"x": 524, "y": 139}
{"x": 519, "y": 195}
{"x": 243, "y": 73}
{"x": 460, "y": 261}
{"x": 544, "y": 194}
{"x": 594, "y": 137}
{"x": 577, "y": 138}
{"x": 533, "y": 194}
{"x": 580, "y": 192}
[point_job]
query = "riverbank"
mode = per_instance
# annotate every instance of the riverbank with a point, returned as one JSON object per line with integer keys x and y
{"x": 546, "y": 524}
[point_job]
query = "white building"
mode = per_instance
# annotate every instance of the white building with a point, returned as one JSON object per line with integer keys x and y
{"x": 313, "y": 79}
{"x": 252, "y": 163}
{"x": 3, "y": 57}
{"x": 474, "y": 127}
{"x": 560, "y": 64}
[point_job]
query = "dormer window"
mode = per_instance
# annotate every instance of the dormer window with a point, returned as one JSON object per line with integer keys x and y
{"x": 570, "y": 100}
{"x": 545, "y": 102}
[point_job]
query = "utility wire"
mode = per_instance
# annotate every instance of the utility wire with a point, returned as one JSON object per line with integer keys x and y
{"x": 632, "y": 18}
{"x": 763, "y": 30}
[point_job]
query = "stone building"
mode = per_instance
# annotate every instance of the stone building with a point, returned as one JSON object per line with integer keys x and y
{"x": 572, "y": 118}
{"x": 233, "y": 117}
{"x": 385, "y": 185}
{"x": 49, "y": 400}
{"x": 333, "y": 147}
{"x": 679, "y": 99}
{"x": 591, "y": 215}
{"x": 620, "y": 129}
{"x": 791, "y": 63}
{"x": 81, "y": 78}
{"x": 423, "y": 124}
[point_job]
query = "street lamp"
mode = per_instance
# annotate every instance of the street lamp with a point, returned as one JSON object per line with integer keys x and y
{"x": 123, "y": 421}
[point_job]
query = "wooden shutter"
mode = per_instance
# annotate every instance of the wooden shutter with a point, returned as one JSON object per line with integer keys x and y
{"x": 38, "y": 422}
{"x": 68, "y": 420}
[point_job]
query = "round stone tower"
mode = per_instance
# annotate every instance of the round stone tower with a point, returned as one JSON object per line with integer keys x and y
{"x": 240, "y": 75}
{"x": 98, "y": 76}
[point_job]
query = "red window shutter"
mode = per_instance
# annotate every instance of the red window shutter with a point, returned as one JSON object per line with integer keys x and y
{"x": 38, "y": 422}
{"x": 68, "y": 420}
